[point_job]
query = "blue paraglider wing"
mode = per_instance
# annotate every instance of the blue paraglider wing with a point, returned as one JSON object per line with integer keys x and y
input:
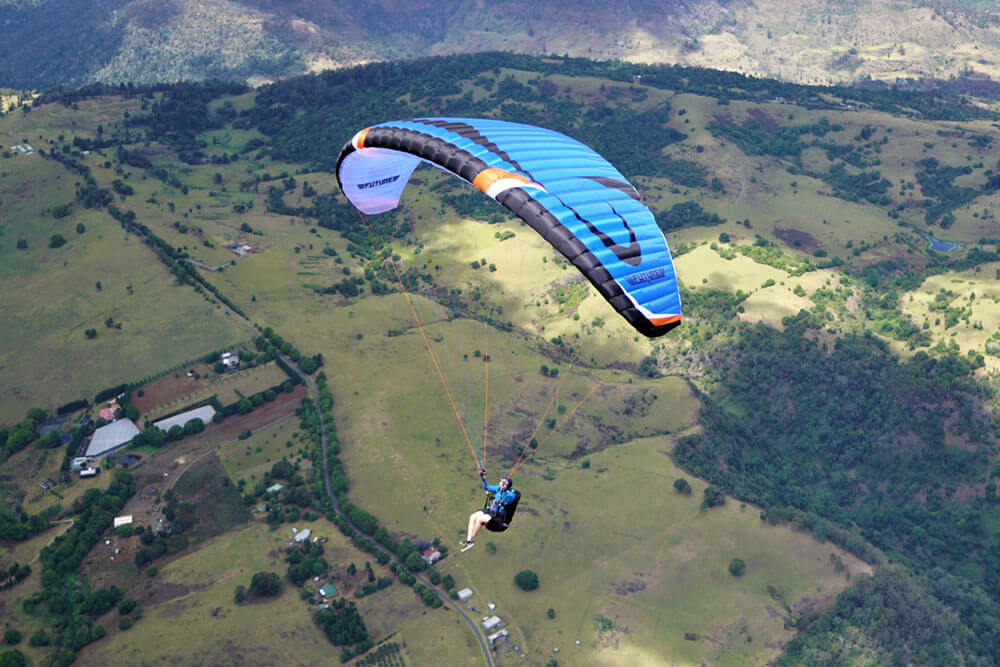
{"x": 563, "y": 189}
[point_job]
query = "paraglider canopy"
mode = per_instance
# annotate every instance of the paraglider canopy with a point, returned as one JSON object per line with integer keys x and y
{"x": 563, "y": 189}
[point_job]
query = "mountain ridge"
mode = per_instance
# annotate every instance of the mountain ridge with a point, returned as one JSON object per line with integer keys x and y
{"x": 817, "y": 42}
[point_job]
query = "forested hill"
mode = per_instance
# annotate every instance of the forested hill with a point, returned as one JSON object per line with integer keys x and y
{"x": 52, "y": 42}
{"x": 839, "y": 360}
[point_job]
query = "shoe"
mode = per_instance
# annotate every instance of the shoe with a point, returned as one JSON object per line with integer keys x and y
{"x": 466, "y": 545}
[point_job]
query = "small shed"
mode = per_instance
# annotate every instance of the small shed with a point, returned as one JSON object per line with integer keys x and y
{"x": 90, "y": 472}
{"x": 303, "y": 535}
{"x": 328, "y": 591}
{"x": 491, "y": 623}
{"x": 465, "y": 594}
{"x": 497, "y": 635}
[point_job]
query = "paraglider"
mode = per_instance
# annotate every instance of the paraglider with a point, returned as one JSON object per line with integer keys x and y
{"x": 497, "y": 512}
{"x": 573, "y": 197}
{"x": 563, "y": 189}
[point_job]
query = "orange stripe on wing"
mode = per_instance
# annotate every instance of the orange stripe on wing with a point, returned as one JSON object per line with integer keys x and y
{"x": 488, "y": 177}
{"x": 660, "y": 321}
{"x": 360, "y": 142}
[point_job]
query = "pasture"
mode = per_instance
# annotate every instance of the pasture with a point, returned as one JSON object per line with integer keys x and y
{"x": 189, "y": 613}
{"x": 251, "y": 458}
{"x": 98, "y": 279}
{"x": 617, "y": 541}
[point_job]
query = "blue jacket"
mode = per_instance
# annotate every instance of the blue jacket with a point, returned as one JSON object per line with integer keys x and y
{"x": 500, "y": 499}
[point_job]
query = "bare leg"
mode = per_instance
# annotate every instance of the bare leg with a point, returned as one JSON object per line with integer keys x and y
{"x": 477, "y": 520}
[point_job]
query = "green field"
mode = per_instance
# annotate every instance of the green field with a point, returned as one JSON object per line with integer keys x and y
{"x": 51, "y": 298}
{"x": 202, "y": 624}
{"x": 416, "y": 406}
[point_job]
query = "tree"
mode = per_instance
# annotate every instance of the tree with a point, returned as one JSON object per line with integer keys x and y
{"x": 713, "y": 497}
{"x": 39, "y": 639}
{"x": 126, "y": 606}
{"x": 22, "y": 244}
{"x": 80, "y": 228}
{"x": 526, "y": 580}
{"x": 265, "y": 584}
{"x": 244, "y": 406}
{"x": 193, "y": 426}
{"x": 90, "y": 333}
{"x": 12, "y": 636}
{"x": 56, "y": 240}
{"x": 551, "y": 613}
{"x": 414, "y": 563}
{"x": 14, "y": 658}
{"x": 240, "y": 594}
{"x": 682, "y": 486}
{"x": 737, "y": 567}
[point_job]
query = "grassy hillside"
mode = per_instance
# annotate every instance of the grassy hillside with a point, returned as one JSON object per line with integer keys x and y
{"x": 800, "y": 230}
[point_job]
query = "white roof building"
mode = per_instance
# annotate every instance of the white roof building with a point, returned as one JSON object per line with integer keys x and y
{"x": 123, "y": 520}
{"x": 465, "y": 594}
{"x": 497, "y": 635}
{"x": 204, "y": 413}
{"x": 491, "y": 623}
{"x": 112, "y": 436}
{"x": 303, "y": 535}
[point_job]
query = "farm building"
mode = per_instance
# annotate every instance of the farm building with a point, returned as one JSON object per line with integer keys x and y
{"x": 274, "y": 488}
{"x": 465, "y": 594}
{"x": 230, "y": 360}
{"x": 431, "y": 556}
{"x": 90, "y": 472}
{"x": 303, "y": 535}
{"x": 328, "y": 591}
{"x": 497, "y": 635}
{"x": 123, "y": 520}
{"x": 204, "y": 413}
{"x": 112, "y": 436}
{"x": 78, "y": 464}
{"x": 491, "y": 623}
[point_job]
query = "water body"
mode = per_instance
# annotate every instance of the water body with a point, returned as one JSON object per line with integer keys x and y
{"x": 942, "y": 246}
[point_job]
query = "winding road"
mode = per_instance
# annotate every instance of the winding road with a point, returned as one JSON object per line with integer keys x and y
{"x": 328, "y": 483}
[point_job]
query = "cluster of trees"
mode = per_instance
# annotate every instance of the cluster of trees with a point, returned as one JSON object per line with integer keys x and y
{"x": 847, "y": 434}
{"x": 270, "y": 342}
{"x": 13, "y": 574}
{"x": 343, "y": 626}
{"x": 69, "y": 602}
{"x": 305, "y": 563}
{"x": 21, "y": 434}
{"x": 686, "y": 214}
